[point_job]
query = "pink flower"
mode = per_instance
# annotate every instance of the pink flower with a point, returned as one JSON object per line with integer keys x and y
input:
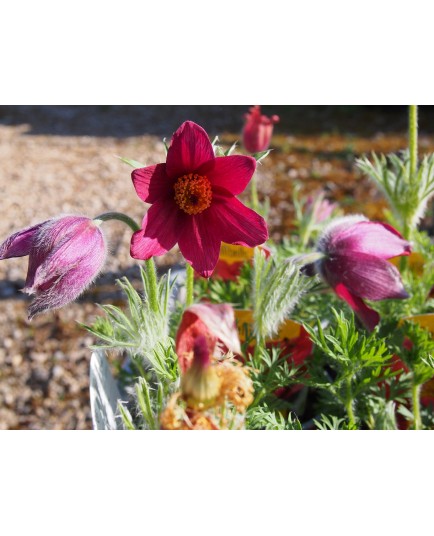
{"x": 215, "y": 322}
{"x": 194, "y": 204}
{"x": 320, "y": 209}
{"x": 355, "y": 263}
{"x": 258, "y": 130}
{"x": 65, "y": 255}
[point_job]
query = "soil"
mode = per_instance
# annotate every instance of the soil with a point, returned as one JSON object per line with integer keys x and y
{"x": 63, "y": 159}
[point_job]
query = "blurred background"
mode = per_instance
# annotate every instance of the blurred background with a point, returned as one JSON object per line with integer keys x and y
{"x": 64, "y": 159}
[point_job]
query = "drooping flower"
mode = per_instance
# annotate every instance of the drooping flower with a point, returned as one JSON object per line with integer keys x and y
{"x": 355, "y": 263}
{"x": 65, "y": 255}
{"x": 213, "y": 396}
{"x": 215, "y": 390}
{"x": 258, "y": 130}
{"x": 215, "y": 322}
{"x": 194, "y": 204}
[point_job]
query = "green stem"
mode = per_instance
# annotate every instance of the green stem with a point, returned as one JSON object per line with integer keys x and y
{"x": 254, "y": 193}
{"x": 189, "y": 283}
{"x": 150, "y": 264}
{"x": 120, "y": 217}
{"x": 305, "y": 232}
{"x": 153, "y": 286}
{"x": 415, "y": 394}
{"x": 349, "y": 404}
{"x": 258, "y": 398}
{"x": 412, "y": 140}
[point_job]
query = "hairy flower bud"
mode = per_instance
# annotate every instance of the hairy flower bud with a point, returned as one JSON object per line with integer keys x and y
{"x": 65, "y": 255}
{"x": 355, "y": 263}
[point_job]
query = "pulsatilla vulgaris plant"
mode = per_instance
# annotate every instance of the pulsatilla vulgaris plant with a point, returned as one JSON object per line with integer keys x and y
{"x": 328, "y": 329}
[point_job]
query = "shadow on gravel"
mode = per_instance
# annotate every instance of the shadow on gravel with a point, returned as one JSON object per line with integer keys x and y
{"x": 125, "y": 121}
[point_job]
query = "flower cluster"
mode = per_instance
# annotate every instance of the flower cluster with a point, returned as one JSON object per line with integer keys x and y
{"x": 208, "y": 366}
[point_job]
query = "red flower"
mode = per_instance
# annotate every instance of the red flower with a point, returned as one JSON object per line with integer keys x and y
{"x": 194, "y": 204}
{"x": 258, "y": 130}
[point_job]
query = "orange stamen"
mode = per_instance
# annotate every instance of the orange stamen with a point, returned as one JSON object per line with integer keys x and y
{"x": 193, "y": 193}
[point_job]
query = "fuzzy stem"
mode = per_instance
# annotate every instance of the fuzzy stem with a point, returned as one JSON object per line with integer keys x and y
{"x": 189, "y": 286}
{"x": 254, "y": 193}
{"x": 153, "y": 286}
{"x": 415, "y": 394}
{"x": 412, "y": 140}
{"x": 150, "y": 264}
{"x": 120, "y": 217}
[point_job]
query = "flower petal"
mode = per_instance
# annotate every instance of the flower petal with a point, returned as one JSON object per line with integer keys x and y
{"x": 235, "y": 223}
{"x": 220, "y": 321}
{"x": 19, "y": 244}
{"x": 364, "y": 276}
{"x": 200, "y": 243}
{"x": 232, "y": 173}
{"x": 162, "y": 226}
{"x": 377, "y": 239}
{"x": 190, "y": 328}
{"x": 367, "y": 316}
{"x": 152, "y": 183}
{"x": 189, "y": 149}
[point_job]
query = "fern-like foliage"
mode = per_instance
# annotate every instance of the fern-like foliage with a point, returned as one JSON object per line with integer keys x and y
{"x": 331, "y": 422}
{"x": 264, "y": 418}
{"x": 348, "y": 363}
{"x": 407, "y": 195}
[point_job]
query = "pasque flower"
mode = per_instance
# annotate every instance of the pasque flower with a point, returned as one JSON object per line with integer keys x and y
{"x": 258, "y": 130}
{"x": 65, "y": 255}
{"x": 216, "y": 389}
{"x": 355, "y": 263}
{"x": 193, "y": 202}
{"x": 214, "y": 394}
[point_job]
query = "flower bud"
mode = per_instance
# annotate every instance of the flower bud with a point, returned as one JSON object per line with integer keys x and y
{"x": 355, "y": 263}
{"x": 258, "y": 130}
{"x": 65, "y": 256}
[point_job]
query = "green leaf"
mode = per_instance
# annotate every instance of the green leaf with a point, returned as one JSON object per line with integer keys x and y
{"x": 126, "y": 417}
{"x": 131, "y": 162}
{"x": 260, "y": 156}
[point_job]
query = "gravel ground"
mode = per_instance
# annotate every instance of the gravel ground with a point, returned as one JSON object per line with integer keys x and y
{"x": 63, "y": 160}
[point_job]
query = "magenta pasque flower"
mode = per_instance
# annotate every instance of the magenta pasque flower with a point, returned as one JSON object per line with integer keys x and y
{"x": 65, "y": 255}
{"x": 355, "y": 263}
{"x": 194, "y": 204}
{"x": 319, "y": 209}
{"x": 258, "y": 130}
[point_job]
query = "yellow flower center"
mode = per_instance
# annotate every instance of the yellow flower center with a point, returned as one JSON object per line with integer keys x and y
{"x": 193, "y": 193}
